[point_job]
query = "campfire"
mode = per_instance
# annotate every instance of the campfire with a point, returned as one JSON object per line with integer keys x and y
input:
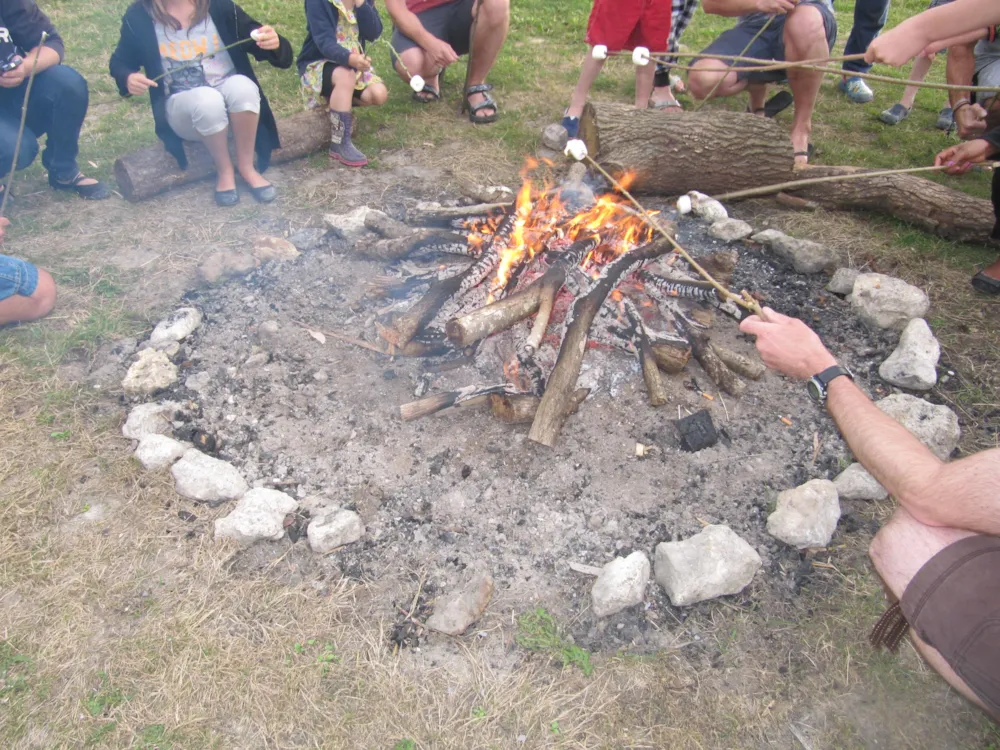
{"x": 543, "y": 279}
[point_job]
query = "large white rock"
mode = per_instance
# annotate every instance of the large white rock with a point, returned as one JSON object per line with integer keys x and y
{"x": 152, "y": 372}
{"x": 714, "y": 562}
{"x": 180, "y": 324}
{"x": 150, "y": 419}
{"x": 855, "y": 483}
{"x": 454, "y": 615}
{"x": 913, "y": 364}
{"x": 333, "y": 529}
{"x": 706, "y": 208}
{"x": 807, "y": 515}
{"x": 201, "y": 477}
{"x": 730, "y": 230}
{"x": 843, "y": 281}
{"x": 260, "y": 514}
{"x": 348, "y": 226}
{"x": 887, "y": 302}
{"x": 934, "y": 425}
{"x": 805, "y": 256}
{"x": 156, "y": 451}
{"x": 268, "y": 248}
{"x": 621, "y": 584}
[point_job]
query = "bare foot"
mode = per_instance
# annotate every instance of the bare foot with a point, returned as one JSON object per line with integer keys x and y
{"x": 800, "y": 145}
{"x": 476, "y": 99}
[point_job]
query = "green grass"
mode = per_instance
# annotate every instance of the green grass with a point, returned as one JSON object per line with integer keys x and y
{"x": 537, "y": 631}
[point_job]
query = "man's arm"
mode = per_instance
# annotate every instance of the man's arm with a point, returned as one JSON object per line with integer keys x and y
{"x": 962, "y": 494}
{"x": 408, "y": 23}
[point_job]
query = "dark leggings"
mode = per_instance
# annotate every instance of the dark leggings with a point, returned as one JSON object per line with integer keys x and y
{"x": 995, "y": 198}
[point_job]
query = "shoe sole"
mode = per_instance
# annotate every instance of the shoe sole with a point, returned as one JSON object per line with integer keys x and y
{"x": 346, "y": 163}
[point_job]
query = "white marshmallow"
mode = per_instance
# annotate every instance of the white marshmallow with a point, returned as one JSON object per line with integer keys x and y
{"x": 600, "y": 52}
{"x": 576, "y": 149}
{"x": 255, "y": 35}
{"x": 640, "y": 56}
{"x": 684, "y": 205}
{"x": 417, "y": 83}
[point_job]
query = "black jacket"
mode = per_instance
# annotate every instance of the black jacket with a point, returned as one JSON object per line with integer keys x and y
{"x": 321, "y": 42}
{"x": 138, "y": 48}
{"x": 25, "y": 21}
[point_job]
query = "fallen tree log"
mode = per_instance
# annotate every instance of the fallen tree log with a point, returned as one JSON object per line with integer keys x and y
{"x": 717, "y": 152}
{"x": 151, "y": 171}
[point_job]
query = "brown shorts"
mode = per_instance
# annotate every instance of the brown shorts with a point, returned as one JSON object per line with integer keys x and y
{"x": 953, "y": 604}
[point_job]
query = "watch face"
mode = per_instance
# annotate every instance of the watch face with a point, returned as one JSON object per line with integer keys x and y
{"x": 815, "y": 390}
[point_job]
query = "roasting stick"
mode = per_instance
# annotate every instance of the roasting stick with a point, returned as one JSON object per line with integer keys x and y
{"x": 791, "y": 185}
{"x": 417, "y": 82}
{"x": 24, "y": 119}
{"x": 718, "y": 83}
{"x": 744, "y": 300}
{"x": 195, "y": 63}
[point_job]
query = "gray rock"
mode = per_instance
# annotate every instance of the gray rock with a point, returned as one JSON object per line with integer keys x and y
{"x": 169, "y": 348}
{"x": 730, "y": 230}
{"x": 198, "y": 382}
{"x": 855, "y": 483}
{"x": 308, "y": 239}
{"x": 548, "y": 153}
{"x": 258, "y": 359}
{"x": 207, "y": 479}
{"x": 714, "y": 562}
{"x": 806, "y": 516}
{"x": 150, "y": 419}
{"x": 333, "y": 529}
{"x": 492, "y": 193}
{"x": 454, "y": 615}
{"x": 226, "y": 264}
{"x": 555, "y": 137}
{"x": 151, "y": 372}
{"x": 269, "y": 334}
{"x": 177, "y": 327}
{"x": 621, "y": 584}
{"x": 157, "y": 451}
{"x": 804, "y": 256}
{"x": 707, "y": 209}
{"x": 843, "y": 281}
{"x": 274, "y": 248}
{"x": 886, "y": 302}
{"x": 260, "y": 514}
{"x": 349, "y": 226}
{"x": 913, "y": 364}
{"x": 935, "y": 426}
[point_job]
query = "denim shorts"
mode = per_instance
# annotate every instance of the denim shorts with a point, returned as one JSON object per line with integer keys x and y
{"x": 17, "y": 277}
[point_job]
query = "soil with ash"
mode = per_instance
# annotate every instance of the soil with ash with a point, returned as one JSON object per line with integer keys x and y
{"x": 438, "y": 495}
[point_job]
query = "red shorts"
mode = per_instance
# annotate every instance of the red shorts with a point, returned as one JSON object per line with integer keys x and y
{"x": 627, "y": 24}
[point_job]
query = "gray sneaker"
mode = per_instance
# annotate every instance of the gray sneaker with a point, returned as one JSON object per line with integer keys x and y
{"x": 894, "y": 115}
{"x": 946, "y": 119}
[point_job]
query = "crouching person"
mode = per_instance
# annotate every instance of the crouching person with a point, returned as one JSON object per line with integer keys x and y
{"x": 26, "y": 293}
{"x": 199, "y": 90}
{"x": 335, "y": 70}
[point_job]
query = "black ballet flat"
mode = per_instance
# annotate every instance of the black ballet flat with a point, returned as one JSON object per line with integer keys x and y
{"x": 264, "y": 194}
{"x": 227, "y": 198}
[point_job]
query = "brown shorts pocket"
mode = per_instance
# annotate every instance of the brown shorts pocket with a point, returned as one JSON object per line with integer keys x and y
{"x": 978, "y": 663}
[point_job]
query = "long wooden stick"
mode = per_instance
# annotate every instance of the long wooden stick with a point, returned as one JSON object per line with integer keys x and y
{"x": 196, "y": 63}
{"x": 793, "y": 184}
{"x": 745, "y": 49}
{"x": 24, "y": 119}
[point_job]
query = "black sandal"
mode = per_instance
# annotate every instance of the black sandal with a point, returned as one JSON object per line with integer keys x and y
{"x": 96, "y": 192}
{"x": 807, "y": 153}
{"x": 427, "y": 95}
{"x": 985, "y": 284}
{"x": 774, "y": 106}
{"x": 487, "y": 103}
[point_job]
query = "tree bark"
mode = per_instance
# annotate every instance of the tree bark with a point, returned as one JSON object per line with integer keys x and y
{"x": 151, "y": 171}
{"x": 670, "y": 154}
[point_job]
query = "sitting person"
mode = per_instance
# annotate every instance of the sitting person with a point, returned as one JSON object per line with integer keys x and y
{"x": 939, "y": 553}
{"x": 26, "y": 292}
{"x": 663, "y": 85}
{"x": 335, "y": 70}
{"x": 621, "y": 25}
{"x": 430, "y": 35}
{"x": 796, "y": 30}
{"x": 57, "y": 105}
{"x": 205, "y": 89}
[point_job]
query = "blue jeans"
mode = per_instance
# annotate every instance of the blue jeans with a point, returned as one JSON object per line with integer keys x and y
{"x": 56, "y": 109}
{"x": 869, "y": 18}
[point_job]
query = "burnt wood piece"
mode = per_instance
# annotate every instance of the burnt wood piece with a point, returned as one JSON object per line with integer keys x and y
{"x": 423, "y": 311}
{"x": 520, "y": 408}
{"x": 471, "y": 395}
{"x": 391, "y": 249}
{"x": 697, "y": 431}
{"x": 385, "y": 226}
{"x": 445, "y": 215}
{"x": 670, "y": 358}
{"x": 647, "y": 359}
{"x": 740, "y": 364}
{"x": 557, "y": 402}
{"x": 151, "y": 171}
{"x": 714, "y": 367}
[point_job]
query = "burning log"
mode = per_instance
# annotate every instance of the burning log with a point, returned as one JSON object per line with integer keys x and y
{"x": 445, "y": 215}
{"x": 393, "y": 248}
{"x": 557, "y": 404}
{"x": 151, "y": 171}
{"x": 647, "y": 358}
{"x": 521, "y": 408}
{"x": 745, "y": 366}
{"x": 385, "y": 226}
{"x": 471, "y": 395}
{"x": 424, "y": 310}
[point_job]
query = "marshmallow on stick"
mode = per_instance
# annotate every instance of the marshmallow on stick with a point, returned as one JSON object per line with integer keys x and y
{"x": 576, "y": 149}
{"x": 255, "y": 35}
{"x": 640, "y": 56}
{"x": 599, "y": 52}
{"x": 417, "y": 83}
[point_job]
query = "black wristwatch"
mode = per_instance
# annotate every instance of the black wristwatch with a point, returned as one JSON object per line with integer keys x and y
{"x": 818, "y": 385}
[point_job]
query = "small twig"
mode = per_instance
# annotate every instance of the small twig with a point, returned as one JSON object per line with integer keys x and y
{"x": 416, "y": 597}
{"x": 744, "y": 300}
{"x": 399, "y": 59}
{"x": 24, "y": 119}
{"x": 723, "y": 77}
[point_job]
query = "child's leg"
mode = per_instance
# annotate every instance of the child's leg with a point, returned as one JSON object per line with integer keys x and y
{"x": 643, "y": 84}
{"x": 588, "y": 74}
{"x": 243, "y": 104}
{"x": 757, "y": 92}
{"x": 21, "y": 306}
{"x": 917, "y": 73}
{"x": 200, "y": 114}
{"x": 342, "y": 119}
{"x": 375, "y": 95}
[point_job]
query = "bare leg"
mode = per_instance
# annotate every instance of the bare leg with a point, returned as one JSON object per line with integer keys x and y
{"x": 342, "y": 96}
{"x": 244, "y": 125}
{"x": 805, "y": 38}
{"x": 588, "y": 74}
{"x": 419, "y": 64}
{"x": 22, "y": 309}
{"x": 705, "y": 76}
{"x": 491, "y": 31}
{"x": 218, "y": 146}
{"x": 375, "y": 95}
{"x": 917, "y": 73}
{"x": 898, "y": 551}
{"x": 758, "y": 97}
{"x": 644, "y": 84}
{"x": 993, "y": 271}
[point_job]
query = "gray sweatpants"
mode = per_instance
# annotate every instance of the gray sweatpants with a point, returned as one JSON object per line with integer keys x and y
{"x": 204, "y": 111}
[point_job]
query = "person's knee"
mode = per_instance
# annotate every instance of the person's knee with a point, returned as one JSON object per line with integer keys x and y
{"x": 242, "y": 95}
{"x": 703, "y": 78}
{"x": 376, "y": 95}
{"x": 804, "y": 26}
{"x": 25, "y": 157}
{"x": 494, "y": 12}
{"x": 66, "y": 86}
{"x": 208, "y": 113}
{"x": 415, "y": 61}
{"x": 44, "y": 296}
{"x": 343, "y": 76}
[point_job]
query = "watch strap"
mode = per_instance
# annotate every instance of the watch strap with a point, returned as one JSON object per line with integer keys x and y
{"x": 831, "y": 373}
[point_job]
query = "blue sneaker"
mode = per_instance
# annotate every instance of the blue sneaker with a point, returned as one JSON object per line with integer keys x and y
{"x": 572, "y": 125}
{"x": 856, "y": 89}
